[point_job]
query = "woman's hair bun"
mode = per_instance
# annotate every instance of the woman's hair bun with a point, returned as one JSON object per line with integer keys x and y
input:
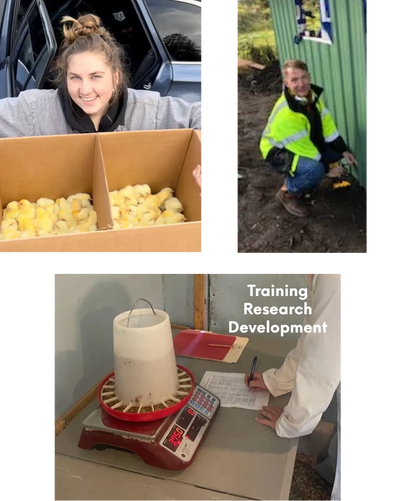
{"x": 89, "y": 24}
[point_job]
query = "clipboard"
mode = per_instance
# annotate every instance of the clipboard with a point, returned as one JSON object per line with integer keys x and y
{"x": 196, "y": 344}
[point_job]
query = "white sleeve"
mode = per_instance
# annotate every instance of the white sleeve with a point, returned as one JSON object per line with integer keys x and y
{"x": 281, "y": 381}
{"x": 318, "y": 364}
{"x": 16, "y": 117}
{"x": 175, "y": 113}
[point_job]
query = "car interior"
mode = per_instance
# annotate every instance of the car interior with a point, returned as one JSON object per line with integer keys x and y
{"x": 122, "y": 20}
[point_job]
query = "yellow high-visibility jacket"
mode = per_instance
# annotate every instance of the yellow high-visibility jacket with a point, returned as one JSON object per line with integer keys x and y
{"x": 291, "y": 130}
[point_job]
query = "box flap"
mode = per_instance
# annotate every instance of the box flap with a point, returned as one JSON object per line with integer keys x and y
{"x": 183, "y": 237}
{"x": 30, "y": 171}
{"x": 187, "y": 190}
{"x": 101, "y": 199}
{"x": 54, "y": 167}
{"x": 144, "y": 157}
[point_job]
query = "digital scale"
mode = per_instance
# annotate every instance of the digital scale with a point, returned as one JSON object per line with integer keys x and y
{"x": 170, "y": 443}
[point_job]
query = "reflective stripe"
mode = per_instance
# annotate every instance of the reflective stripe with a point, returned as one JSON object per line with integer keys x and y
{"x": 295, "y": 137}
{"x": 284, "y": 104}
{"x": 266, "y": 131}
{"x": 280, "y": 107}
{"x": 316, "y": 157}
{"x": 274, "y": 143}
{"x": 325, "y": 112}
{"x": 332, "y": 137}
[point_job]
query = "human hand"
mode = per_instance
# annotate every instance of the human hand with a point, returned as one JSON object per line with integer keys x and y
{"x": 335, "y": 171}
{"x": 350, "y": 158}
{"x": 271, "y": 413}
{"x": 257, "y": 383}
{"x": 197, "y": 175}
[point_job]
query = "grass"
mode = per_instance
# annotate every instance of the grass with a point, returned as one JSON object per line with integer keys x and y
{"x": 256, "y": 39}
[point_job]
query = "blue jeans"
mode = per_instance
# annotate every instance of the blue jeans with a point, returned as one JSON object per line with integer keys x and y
{"x": 309, "y": 172}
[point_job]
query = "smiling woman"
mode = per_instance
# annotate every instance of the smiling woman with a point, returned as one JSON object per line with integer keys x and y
{"x": 92, "y": 93}
{"x": 91, "y": 72}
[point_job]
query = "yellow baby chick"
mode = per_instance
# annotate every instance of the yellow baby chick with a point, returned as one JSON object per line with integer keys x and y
{"x": 130, "y": 201}
{"x": 43, "y": 222}
{"x": 128, "y": 214}
{"x": 141, "y": 191}
{"x": 53, "y": 210}
{"x": 176, "y": 217}
{"x": 9, "y": 226}
{"x": 112, "y": 196}
{"x": 85, "y": 204}
{"x": 93, "y": 217}
{"x": 173, "y": 205}
{"x": 27, "y": 208}
{"x": 12, "y": 206}
{"x": 142, "y": 209}
{"x": 81, "y": 197}
{"x": 118, "y": 197}
{"x": 44, "y": 202}
{"x": 81, "y": 216}
{"x": 163, "y": 195}
{"x": 83, "y": 228}
{"x": 147, "y": 189}
{"x": 148, "y": 219}
{"x": 25, "y": 223}
{"x": 168, "y": 217}
{"x": 151, "y": 202}
{"x": 9, "y": 229}
{"x": 122, "y": 225}
{"x": 27, "y": 234}
{"x": 64, "y": 205}
{"x": 11, "y": 236}
{"x": 56, "y": 210}
{"x": 75, "y": 207}
{"x": 67, "y": 216}
{"x": 127, "y": 192}
{"x": 161, "y": 220}
{"x": 11, "y": 211}
{"x": 60, "y": 228}
{"x": 115, "y": 212}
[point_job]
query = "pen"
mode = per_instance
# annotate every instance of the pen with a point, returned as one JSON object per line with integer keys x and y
{"x": 253, "y": 368}
{"x": 220, "y": 345}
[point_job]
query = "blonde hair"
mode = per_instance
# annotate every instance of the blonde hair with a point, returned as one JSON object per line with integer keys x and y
{"x": 87, "y": 34}
{"x": 295, "y": 64}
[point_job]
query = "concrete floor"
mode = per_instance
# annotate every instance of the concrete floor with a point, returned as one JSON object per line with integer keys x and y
{"x": 79, "y": 479}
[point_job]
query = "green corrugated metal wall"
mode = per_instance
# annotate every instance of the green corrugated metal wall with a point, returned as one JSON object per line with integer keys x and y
{"x": 339, "y": 68}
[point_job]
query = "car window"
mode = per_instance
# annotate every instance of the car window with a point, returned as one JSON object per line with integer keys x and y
{"x": 30, "y": 51}
{"x": 179, "y": 26}
{"x": 22, "y": 10}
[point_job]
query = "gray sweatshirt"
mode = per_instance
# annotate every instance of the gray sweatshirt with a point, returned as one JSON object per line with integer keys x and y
{"x": 39, "y": 113}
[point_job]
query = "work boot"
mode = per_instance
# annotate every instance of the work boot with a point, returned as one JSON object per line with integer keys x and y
{"x": 292, "y": 204}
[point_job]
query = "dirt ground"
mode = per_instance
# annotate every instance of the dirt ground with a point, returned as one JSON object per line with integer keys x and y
{"x": 306, "y": 483}
{"x": 337, "y": 222}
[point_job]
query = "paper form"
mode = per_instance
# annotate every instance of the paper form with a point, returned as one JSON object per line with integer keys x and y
{"x": 231, "y": 390}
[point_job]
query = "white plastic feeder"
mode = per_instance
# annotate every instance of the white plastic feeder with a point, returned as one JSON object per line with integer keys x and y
{"x": 144, "y": 357}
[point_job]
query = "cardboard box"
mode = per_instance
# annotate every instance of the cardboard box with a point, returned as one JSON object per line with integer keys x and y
{"x": 60, "y": 166}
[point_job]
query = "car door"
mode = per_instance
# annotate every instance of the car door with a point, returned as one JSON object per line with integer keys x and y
{"x": 31, "y": 46}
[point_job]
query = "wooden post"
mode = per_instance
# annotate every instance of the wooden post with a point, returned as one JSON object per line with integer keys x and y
{"x": 198, "y": 301}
